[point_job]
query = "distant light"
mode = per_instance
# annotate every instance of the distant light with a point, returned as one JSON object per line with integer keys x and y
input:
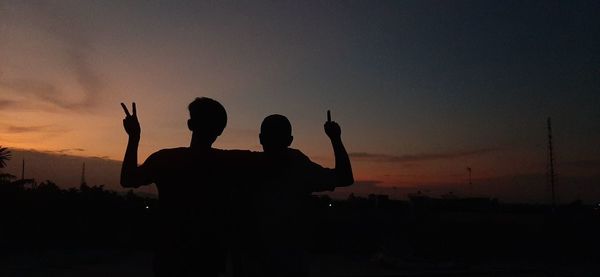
{"x": 147, "y": 207}
{"x": 330, "y": 205}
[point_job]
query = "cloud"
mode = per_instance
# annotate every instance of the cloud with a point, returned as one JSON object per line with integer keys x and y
{"x": 582, "y": 163}
{"x": 370, "y": 183}
{"x": 25, "y": 129}
{"x": 18, "y": 129}
{"x": 4, "y": 103}
{"x": 68, "y": 150}
{"x": 43, "y": 91}
{"x": 409, "y": 158}
{"x": 67, "y": 28}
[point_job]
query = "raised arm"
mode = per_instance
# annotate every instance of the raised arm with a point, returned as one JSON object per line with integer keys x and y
{"x": 131, "y": 175}
{"x": 343, "y": 168}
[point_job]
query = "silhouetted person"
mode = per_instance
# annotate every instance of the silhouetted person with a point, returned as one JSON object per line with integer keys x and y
{"x": 193, "y": 187}
{"x": 277, "y": 232}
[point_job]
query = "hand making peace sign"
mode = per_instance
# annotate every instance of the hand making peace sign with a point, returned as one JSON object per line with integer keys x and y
{"x": 131, "y": 123}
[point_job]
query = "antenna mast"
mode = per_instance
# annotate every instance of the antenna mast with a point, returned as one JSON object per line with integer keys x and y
{"x": 470, "y": 180}
{"x": 551, "y": 174}
{"x": 83, "y": 174}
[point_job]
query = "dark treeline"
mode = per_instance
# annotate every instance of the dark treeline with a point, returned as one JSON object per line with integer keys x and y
{"x": 461, "y": 231}
{"x": 44, "y": 216}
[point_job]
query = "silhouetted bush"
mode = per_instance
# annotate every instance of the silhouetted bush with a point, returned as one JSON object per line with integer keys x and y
{"x": 46, "y": 216}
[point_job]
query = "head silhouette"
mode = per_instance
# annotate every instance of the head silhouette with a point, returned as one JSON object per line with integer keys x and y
{"x": 275, "y": 133}
{"x": 208, "y": 119}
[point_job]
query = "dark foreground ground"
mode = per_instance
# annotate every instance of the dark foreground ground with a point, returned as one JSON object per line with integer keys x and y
{"x": 46, "y": 231}
{"x": 137, "y": 264}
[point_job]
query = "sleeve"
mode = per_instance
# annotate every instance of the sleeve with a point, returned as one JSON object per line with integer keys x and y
{"x": 316, "y": 177}
{"x": 148, "y": 171}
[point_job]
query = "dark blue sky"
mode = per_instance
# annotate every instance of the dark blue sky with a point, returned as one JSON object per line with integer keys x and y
{"x": 423, "y": 89}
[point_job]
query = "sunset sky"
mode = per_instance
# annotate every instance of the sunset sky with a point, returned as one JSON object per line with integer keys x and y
{"x": 422, "y": 89}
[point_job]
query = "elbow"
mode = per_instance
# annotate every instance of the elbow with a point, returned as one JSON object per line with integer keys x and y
{"x": 128, "y": 183}
{"x": 129, "y": 186}
{"x": 346, "y": 182}
{"x": 125, "y": 184}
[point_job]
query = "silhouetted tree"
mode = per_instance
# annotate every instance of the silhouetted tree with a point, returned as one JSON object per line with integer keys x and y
{"x": 24, "y": 182}
{"x": 48, "y": 187}
{"x": 6, "y": 178}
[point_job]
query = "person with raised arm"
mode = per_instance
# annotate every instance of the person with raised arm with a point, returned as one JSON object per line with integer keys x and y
{"x": 277, "y": 229}
{"x": 193, "y": 186}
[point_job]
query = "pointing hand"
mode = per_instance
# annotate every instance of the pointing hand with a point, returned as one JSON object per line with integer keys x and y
{"x": 332, "y": 129}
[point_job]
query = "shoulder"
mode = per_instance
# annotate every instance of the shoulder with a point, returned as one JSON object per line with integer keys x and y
{"x": 301, "y": 160}
{"x": 168, "y": 153}
{"x": 237, "y": 153}
{"x": 172, "y": 151}
{"x": 297, "y": 155}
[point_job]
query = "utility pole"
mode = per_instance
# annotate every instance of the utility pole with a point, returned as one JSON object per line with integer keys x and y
{"x": 83, "y": 175}
{"x": 470, "y": 180}
{"x": 551, "y": 174}
{"x": 23, "y": 170}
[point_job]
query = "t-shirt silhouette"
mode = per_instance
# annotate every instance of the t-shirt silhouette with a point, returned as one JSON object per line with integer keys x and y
{"x": 194, "y": 187}
{"x": 277, "y": 214}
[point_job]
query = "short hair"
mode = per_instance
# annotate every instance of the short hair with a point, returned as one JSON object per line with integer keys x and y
{"x": 210, "y": 112}
{"x": 276, "y": 125}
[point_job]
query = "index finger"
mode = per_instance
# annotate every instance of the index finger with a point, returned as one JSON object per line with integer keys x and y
{"x": 328, "y": 116}
{"x": 125, "y": 109}
{"x": 134, "y": 110}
